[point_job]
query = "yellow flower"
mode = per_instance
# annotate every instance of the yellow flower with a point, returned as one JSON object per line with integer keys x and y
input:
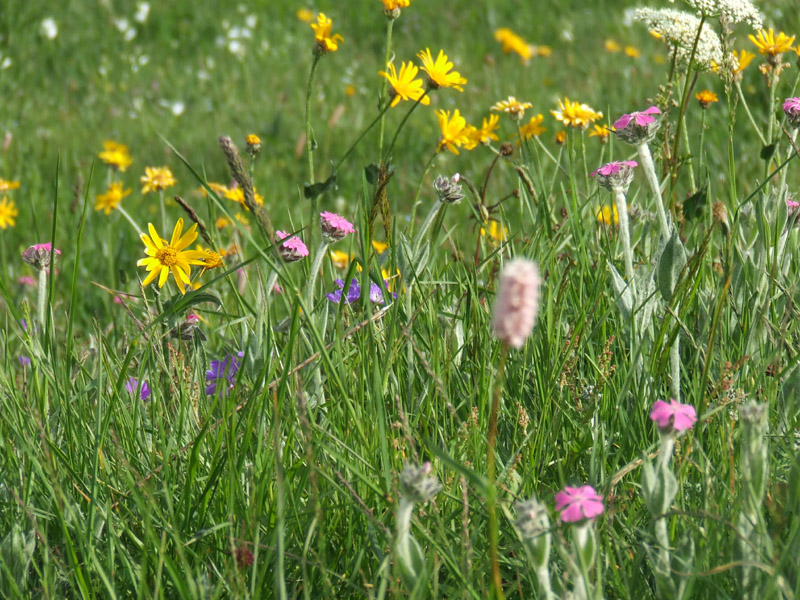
{"x": 605, "y": 214}
{"x": 305, "y": 15}
{"x": 497, "y": 232}
{"x": 483, "y": 134}
{"x": 156, "y": 179}
{"x": 340, "y": 259}
{"x": 350, "y": 90}
{"x": 322, "y": 33}
{"x": 561, "y": 137}
{"x": 405, "y": 86}
{"x": 532, "y": 128}
{"x": 632, "y": 52}
{"x": 573, "y": 114}
{"x": 743, "y": 59}
{"x": 513, "y": 107}
{"x": 393, "y": 4}
{"x": 770, "y": 44}
{"x": 601, "y": 131}
{"x": 116, "y": 155}
{"x": 390, "y": 279}
{"x": 222, "y": 222}
{"x": 8, "y": 213}
{"x": 380, "y": 247}
{"x": 111, "y": 199}
{"x": 439, "y": 75}
{"x": 542, "y": 51}
{"x": 252, "y": 140}
{"x": 241, "y": 218}
{"x": 6, "y": 185}
{"x": 454, "y": 133}
{"x": 706, "y": 98}
{"x": 237, "y": 195}
{"x": 210, "y": 259}
{"x": 165, "y": 258}
{"x": 612, "y": 46}
{"x": 511, "y": 42}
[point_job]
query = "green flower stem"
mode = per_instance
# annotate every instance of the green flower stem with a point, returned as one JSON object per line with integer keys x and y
{"x": 310, "y": 142}
{"x": 675, "y": 366}
{"x": 583, "y": 157}
{"x": 400, "y": 127}
{"x": 491, "y": 501}
{"x": 384, "y": 85}
{"x": 650, "y": 172}
{"x": 585, "y": 543}
{"x": 702, "y": 138}
{"x": 692, "y": 181}
{"x": 315, "y": 267}
{"x": 428, "y": 167}
{"x": 770, "y": 121}
{"x": 756, "y": 128}
{"x": 625, "y": 237}
{"x": 41, "y": 298}
{"x": 361, "y": 137}
{"x": 125, "y": 214}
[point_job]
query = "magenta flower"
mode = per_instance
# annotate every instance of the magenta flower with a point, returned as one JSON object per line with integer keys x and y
{"x": 791, "y": 108}
{"x": 642, "y": 119}
{"x": 334, "y": 227}
{"x": 615, "y": 167}
{"x": 292, "y": 249}
{"x": 38, "y": 255}
{"x": 674, "y": 416}
{"x": 577, "y": 504}
{"x": 26, "y": 280}
{"x": 616, "y": 175}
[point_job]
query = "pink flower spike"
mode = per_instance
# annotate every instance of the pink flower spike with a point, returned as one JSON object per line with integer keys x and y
{"x": 334, "y": 227}
{"x": 292, "y": 249}
{"x": 615, "y": 167}
{"x": 577, "y": 504}
{"x": 673, "y": 416}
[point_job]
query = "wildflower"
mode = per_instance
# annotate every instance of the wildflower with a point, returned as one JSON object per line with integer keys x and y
{"x": 111, "y": 199}
{"x": 350, "y": 90}
{"x": 532, "y": 519}
{"x": 391, "y": 5}
{"x": 574, "y": 114}
{"x": 322, "y": 33}
{"x": 497, "y": 232}
{"x": 38, "y": 255}
{"x": 793, "y": 208}
{"x": 163, "y": 258}
{"x": 49, "y": 28}
{"x": 542, "y": 51}
{"x": 517, "y": 302}
{"x": 380, "y": 247}
{"x": 6, "y": 185}
{"x": 608, "y": 215}
{"x": 334, "y": 227}
{"x": 512, "y": 107}
{"x": 340, "y": 259}
{"x": 133, "y": 384}
{"x": 791, "y": 108}
{"x": 221, "y": 372}
{"x": 706, "y": 98}
{"x": 612, "y": 46}
{"x": 632, "y": 52}
{"x": 8, "y": 213}
{"x": 615, "y": 175}
{"x": 601, "y": 131}
{"x": 678, "y": 30}
{"x": 236, "y": 194}
{"x": 253, "y": 144}
{"x": 353, "y": 292}
{"x": 561, "y": 138}
{"x": 222, "y": 222}
{"x": 404, "y": 85}
{"x": 673, "y": 417}
{"x": 116, "y": 155}
{"x": 24, "y": 361}
{"x": 243, "y": 556}
{"x": 305, "y": 15}
{"x": 416, "y": 484}
{"x": 448, "y": 190}
{"x": 532, "y": 128}
{"x": 511, "y": 42}
{"x": 453, "y": 130}
{"x": 210, "y": 259}
{"x": 742, "y": 60}
{"x": 156, "y": 179}
{"x": 637, "y": 127}
{"x": 292, "y": 249}
{"x": 771, "y": 45}
{"x": 577, "y": 504}
{"x": 26, "y": 280}
{"x": 484, "y": 134}
{"x": 439, "y": 71}
{"x": 731, "y": 11}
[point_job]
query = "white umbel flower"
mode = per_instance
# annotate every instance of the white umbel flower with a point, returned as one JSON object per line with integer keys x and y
{"x": 679, "y": 30}
{"x": 732, "y": 11}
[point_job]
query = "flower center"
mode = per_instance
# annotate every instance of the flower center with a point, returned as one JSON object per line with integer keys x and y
{"x": 167, "y": 256}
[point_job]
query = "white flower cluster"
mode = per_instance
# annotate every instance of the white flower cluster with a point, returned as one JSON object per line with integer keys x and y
{"x": 679, "y": 30}
{"x": 733, "y": 11}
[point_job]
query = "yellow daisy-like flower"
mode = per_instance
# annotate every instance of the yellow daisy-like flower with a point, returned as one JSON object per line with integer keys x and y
{"x": 511, "y": 42}
{"x": 8, "y": 213}
{"x": 532, "y": 128}
{"x": 561, "y": 137}
{"x": 394, "y": 4}
{"x": 612, "y": 46}
{"x": 706, "y": 98}
{"x": 156, "y": 179}
{"x": 770, "y": 44}
{"x": 483, "y": 134}
{"x": 497, "y": 232}
{"x": 404, "y": 84}
{"x": 116, "y": 155}
{"x": 241, "y": 218}
{"x": 111, "y": 199}
{"x": 305, "y": 15}
{"x": 322, "y": 33}
{"x": 574, "y": 114}
{"x": 743, "y": 59}
{"x": 439, "y": 71}
{"x": 607, "y": 214}
{"x": 512, "y": 107}
{"x": 211, "y": 259}
{"x": 222, "y": 223}
{"x": 340, "y": 259}
{"x": 237, "y": 195}
{"x": 252, "y": 140}
{"x": 542, "y": 51}
{"x": 632, "y": 52}
{"x": 454, "y": 134}
{"x": 380, "y": 247}
{"x": 6, "y": 185}
{"x": 601, "y": 131}
{"x": 165, "y": 258}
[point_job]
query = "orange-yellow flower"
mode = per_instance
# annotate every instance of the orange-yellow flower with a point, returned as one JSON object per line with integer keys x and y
{"x": 393, "y": 4}
{"x": 706, "y": 98}
{"x": 322, "y": 33}
{"x": 511, "y": 42}
{"x": 404, "y": 84}
{"x": 237, "y": 195}
{"x": 601, "y": 131}
{"x": 8, "y": 213}
{"x": 111, "y": 199}
{"x": 532, "y": 128}
{"x": 6, "y": 185}
{"x": 770, "y": 44}
{"x": 116, "y": 155}
{"x": 483, "y": 134}
{"x": 156, "y": 179}
{"x": 612, "y": 46}
{"x": 439, "y": 71}
{"x": 607, "y": 214}
{"x": 453, "y": 128}
{"x": 164, "y": 258}
{"x": 743, "y": 59}
{"x": 512, "y": 107}
{"x": 574, "y": 114}
{"x": 305, "y": 15}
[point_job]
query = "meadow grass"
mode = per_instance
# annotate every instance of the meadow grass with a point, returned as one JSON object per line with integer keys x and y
{"x": 286, "y": 481}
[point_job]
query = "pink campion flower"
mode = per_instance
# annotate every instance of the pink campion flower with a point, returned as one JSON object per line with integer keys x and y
{"x": 616, "y": 175}
{"x": 517, "y": 302}
{"x": 791, "y": 108}
{"x": 637, "y": 127}
{"x": 794, "y": 211}
{"x": 38, "y": 255}
{"x": 26, "y": 280}
{"x": 292, "y": 249}
{"x": 673, "y": 416}
{"x": 334, "y": 227}
{"x": 577, "y": 504}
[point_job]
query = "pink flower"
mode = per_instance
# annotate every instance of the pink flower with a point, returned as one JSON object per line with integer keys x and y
{"x": 673, "y": 416}
{"x": 615, "y": 167}
{"x": 577, "y": 504}
{"x": 642, "y": 119}
{"x": 517, "y": 302}
{"x": 292, "y": 249}
{"x": 38, "y": 255}
{"x": 334, "y": 227}
{"x": 791, "y": 107}
{"x": 616, "y": 175}
{"x": 26, "y": 280}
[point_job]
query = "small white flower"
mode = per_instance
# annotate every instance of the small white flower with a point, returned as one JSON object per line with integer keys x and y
{"x": 251, "y": 21}
{"x": 49, "y": 28}
{"x": 125, "y": 28}
{"x": 142, "y": 12}
{"x": 679, "y": 30}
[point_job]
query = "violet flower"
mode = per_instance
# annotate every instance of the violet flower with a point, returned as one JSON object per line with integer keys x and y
{"x": 353, "y": 292}
{"x": 791, "y": 108}
{"x": 222, "y": 370}
{"x": 133, "y": 385}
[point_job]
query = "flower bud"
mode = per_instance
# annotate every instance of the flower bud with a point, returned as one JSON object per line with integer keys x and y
{"x": 415, "y": 484}
{"x": 38, "y": 255}
{"x": 448, "y": 190}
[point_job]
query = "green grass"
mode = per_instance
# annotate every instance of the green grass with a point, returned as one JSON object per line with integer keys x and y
{"x": 296, "y": 466}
